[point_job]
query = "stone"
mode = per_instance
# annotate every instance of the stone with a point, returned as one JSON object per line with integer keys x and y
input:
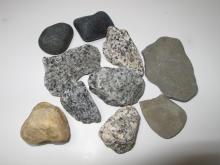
{"x": 46, "y": 124}
{"x": 168, "y": 67}
{"x": 93, "y": 27}
{"x": 120, "y": 131}
{"x": 120, "y": 50}
{"x": 78, "y": 102}
{"x": 117, "y": 86}
{"x": 56, "y": 39}
{"x": 165, "y": 117}
{"x": 69, "y": 66}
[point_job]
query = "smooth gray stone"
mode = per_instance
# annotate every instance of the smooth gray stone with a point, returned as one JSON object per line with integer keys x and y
{"x": 165, "y": 117}
{"x": 77, "y": 100}
{"x": 117, "y": 86}
{"x": 70, "y": 66}
{"x": 120, "y": 131}
{"x": 168, "y": 67}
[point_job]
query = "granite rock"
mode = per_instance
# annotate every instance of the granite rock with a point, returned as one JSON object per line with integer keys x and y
{"x": 120, "y": 131}
{"x": 46, "y": 124}
{"x": 165, "y": 117}
{"x": 117, "y": 86}
{"x": 167, "y": 66}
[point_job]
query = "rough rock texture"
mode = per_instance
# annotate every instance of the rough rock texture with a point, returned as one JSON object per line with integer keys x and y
{"x": 117, "y": 86}
{"x": 77, "y": 100}
{"x": 167, "y": 66}
{"x": 165, "y": 117}
{"x": 120, "y": 50}
{"x": 46, "y": 124}
{"x": 70, "y": 66}
{"x": 56, "y": 39}
{"x": 120, "y": 131}
{"x": 93, "y": 27}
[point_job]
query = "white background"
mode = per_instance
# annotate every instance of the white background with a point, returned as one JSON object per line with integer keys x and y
{"x": 195, "y": 23}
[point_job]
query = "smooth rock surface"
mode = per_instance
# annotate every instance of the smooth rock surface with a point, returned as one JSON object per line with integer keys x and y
{"x": 165, "y": 117}
{"x": 46, "y": 124}
{"x": 120, "y": 131}
{"x": 77, "y": 100}
{"x": 56, "y": 39}
{"x": 167, "y": 66}
{"x": 70, "y": 66}
{"x": 117, "y": 86}
{"x": 120, "y": 50}
{"x": 93, "y": 27}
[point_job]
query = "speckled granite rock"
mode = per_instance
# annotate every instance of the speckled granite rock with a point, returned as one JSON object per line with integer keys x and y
{"x": 46, "y": 124}
{"x": 93, "y": 27}
{"x": 77, "y": 100}
{"x": 167, "y": 66}
{"x": 117, "y": 86}
{"x": 70, "y": 66}
{"x": 120, "y": 130}
{"x": 165, "y": 117}
{"x": 120, "y": 50}
{"x": 56, "y": 39}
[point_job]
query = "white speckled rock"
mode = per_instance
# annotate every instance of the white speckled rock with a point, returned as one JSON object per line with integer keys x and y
{"x": 120, "y": 50}
{"x": 120, "y": 131}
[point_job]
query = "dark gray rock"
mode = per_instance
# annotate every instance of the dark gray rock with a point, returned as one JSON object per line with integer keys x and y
{"x": 78, "y": 102}
{"x": 167, "y": 66}
{"x": 117, "y": 86}
{"x": 70, "y": 66}
{"x": 93, "y": 27}
{"x": 165, "y": 117}
{"x": 56, "y": 39}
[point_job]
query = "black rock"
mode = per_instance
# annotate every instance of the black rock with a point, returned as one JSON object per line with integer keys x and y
{"x": 93, "y": 27}
{"x": 56, "y": 39}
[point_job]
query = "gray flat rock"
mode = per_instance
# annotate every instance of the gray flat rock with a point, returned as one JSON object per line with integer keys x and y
{"x": 117, "y": 86}
{"x": 120, "y": 131}
{"x": 120, "y": 50}
{"x": 69, "y": 66}
{"x": 77, "y": 100}
{"x": 165, "y": 117}
{"x": 168, "y": 67}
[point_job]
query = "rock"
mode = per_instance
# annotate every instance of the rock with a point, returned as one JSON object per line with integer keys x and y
{"x": 77, "y": 100}
{"x": 120, "y": 131}
{"x": 165, "y": 117}
{"x": 46, "y": 124}
{"x": 56, "y": 39}
{"x": 167, "y": 66}
{"x": 70, "y": 66}
{"x": 120, "y": 50}
{"x": 117, "y": 86}
{"x": 93, "y": 27}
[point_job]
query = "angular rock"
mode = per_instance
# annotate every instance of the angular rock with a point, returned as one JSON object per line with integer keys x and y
{"x": 70, "y": 66}
{"x": 165, "y": 117}
{"x": 56, "y": 39}
{"x": 120, "y": 131}
{"x": 46, "y": 124}
{"x": 168, "y": 67}
{"x": 117, "y": 86}
{"x": 77, "y": 100}
{"x": 120, "y": 50}
{"x": 93, "y": 27}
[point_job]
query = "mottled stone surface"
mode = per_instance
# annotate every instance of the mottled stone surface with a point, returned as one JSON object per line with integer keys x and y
{"x": 117, "y": 86}
{"x": 167, "y": 66}
{"x": 120, "y": 50}
{"x": 70, "y": 66}
{"x": 77, "y": 100}
{"x": 120, "y": 131}
{"x": 165, "y": 117}
{"x": 93, "y": 27}
{"x": 56, "y": 39}
{"x": 46, "y": 124}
